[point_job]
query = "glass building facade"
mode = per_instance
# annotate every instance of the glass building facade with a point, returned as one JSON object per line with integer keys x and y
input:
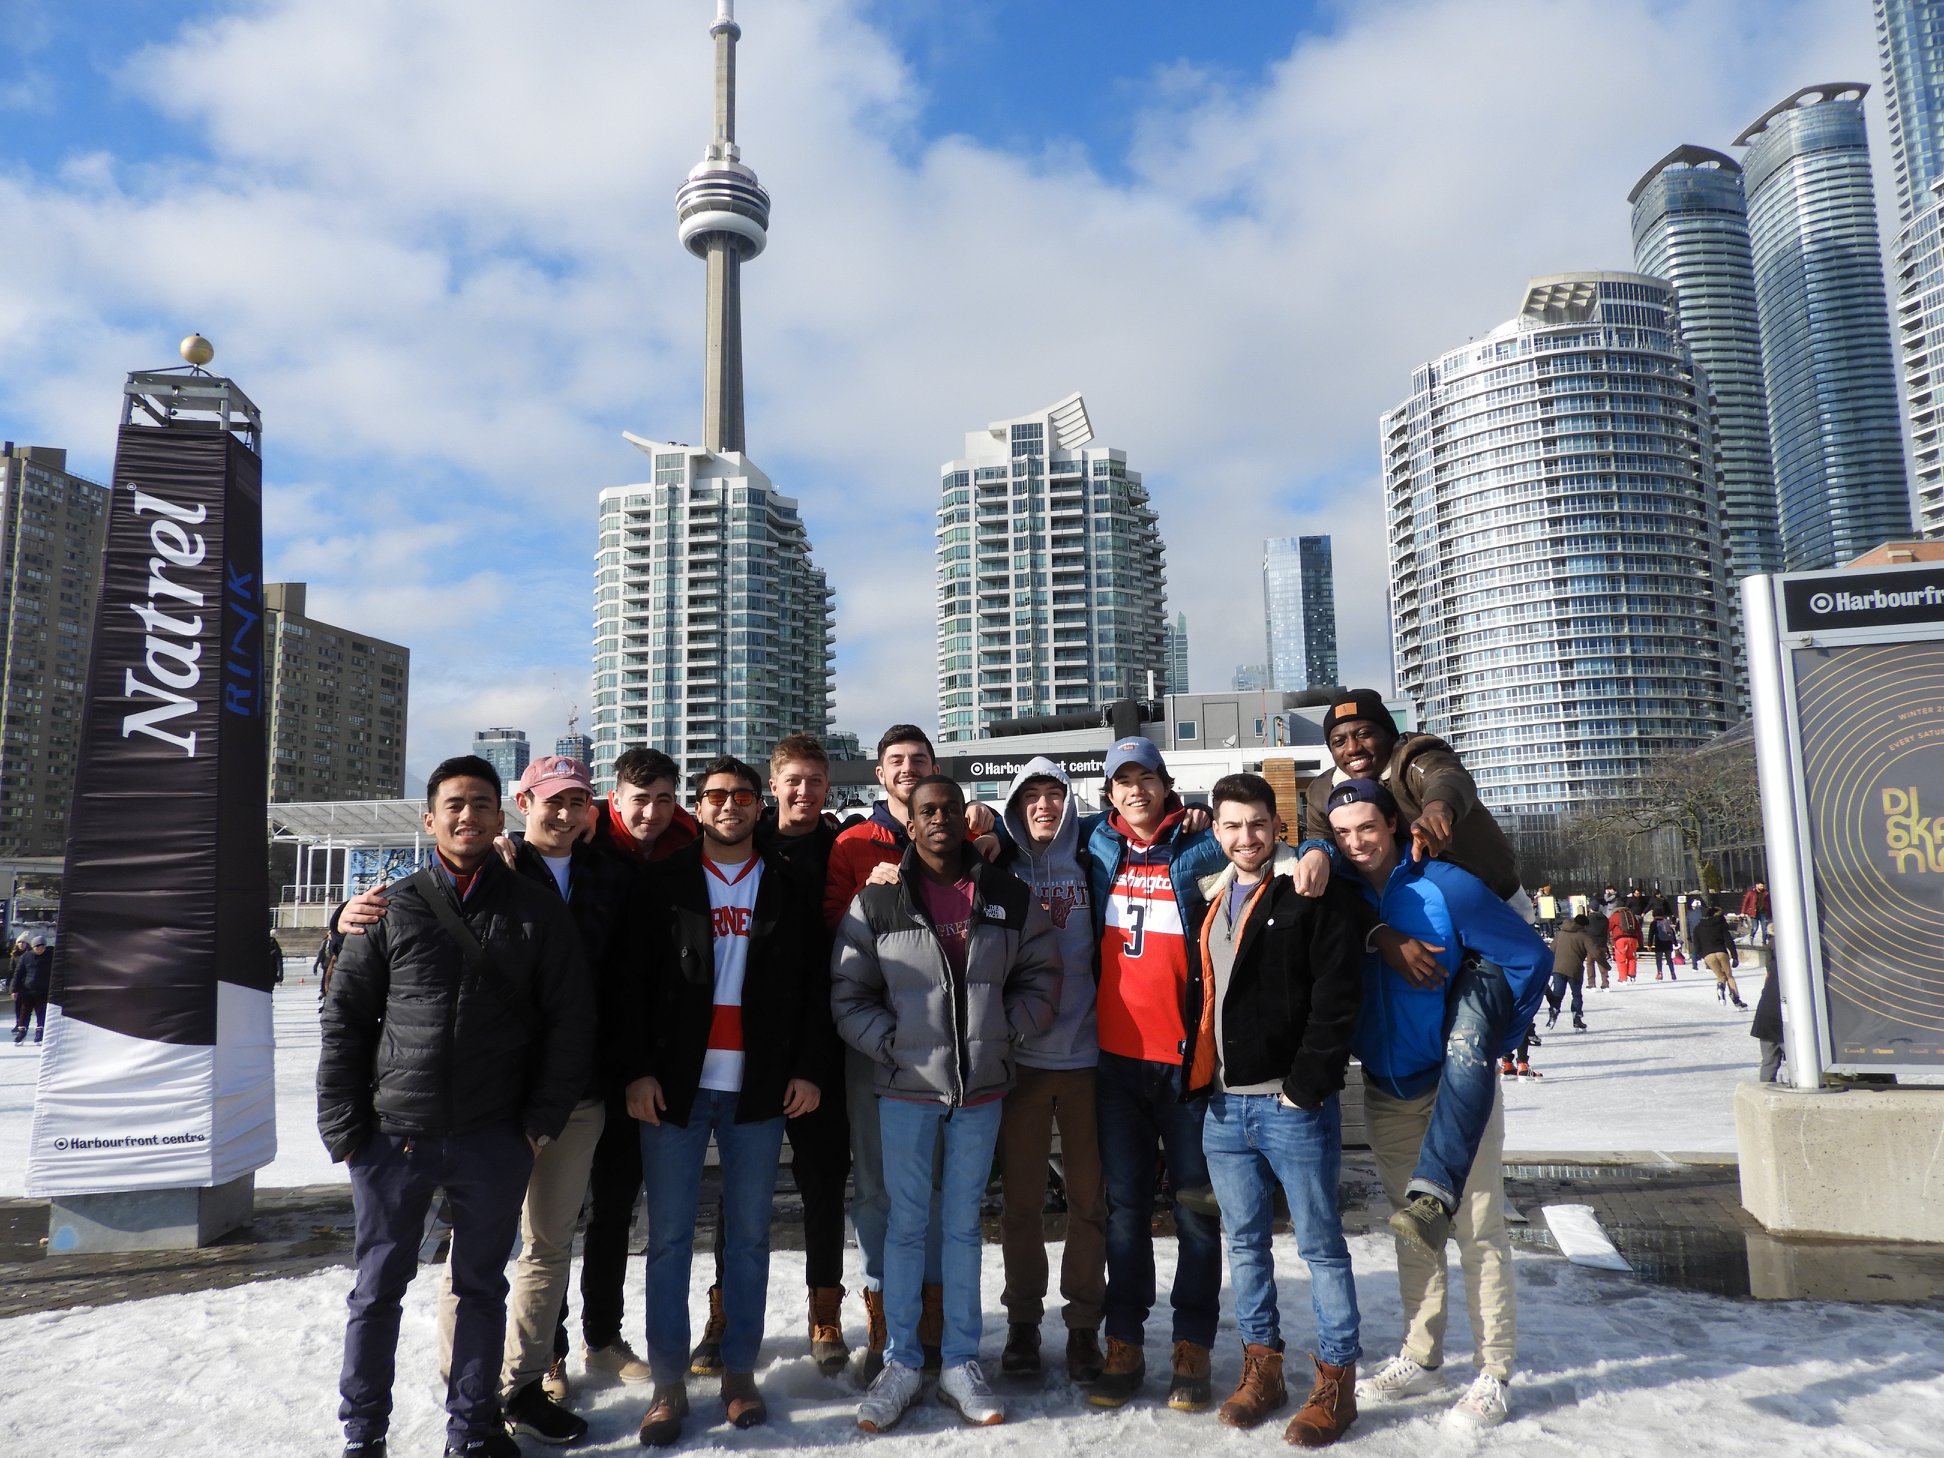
{"x": 1559, "y": 585}
{"x": 1052, "y": 582}
{"x": 1690, "y": 227}
{"x": 1299, "y": 612}
{"x": 1827, "y": 363}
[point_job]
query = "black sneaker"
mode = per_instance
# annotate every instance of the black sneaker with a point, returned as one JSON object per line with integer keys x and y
{"x": 493, "y": 1445}
{"x": 532, "y": 1412}
{"x": 366, "y": 1448}
{"x": 1022, "y": 1353}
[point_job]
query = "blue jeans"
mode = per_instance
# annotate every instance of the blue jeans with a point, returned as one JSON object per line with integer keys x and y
{"x": 870, "y": 1206}
{"x": 1253, "y": 1142}
{"x": 913, "y": 1132}
{"x": 1140, "y": 1107}
{"x": 1556, "y": 989}
{"x": 671, "y": 1167}
{"x": 1478, "y": 1024}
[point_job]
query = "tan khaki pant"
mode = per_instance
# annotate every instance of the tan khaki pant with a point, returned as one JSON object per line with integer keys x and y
{"x": 547, "y": 1221}
{"x": 1396, "y": 1128}
{"x": 1040, "y": 1097}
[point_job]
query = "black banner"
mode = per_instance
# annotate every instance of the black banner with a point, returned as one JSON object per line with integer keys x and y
{"x": 166, "y": 887}
{"x": 1830, "y": 601}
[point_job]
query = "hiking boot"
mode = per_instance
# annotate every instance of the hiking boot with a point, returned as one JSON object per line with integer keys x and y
{"x": 553, "y": 1381}
{"x": 890, "y": 1397}
{"x": 1022, "y": 1353}
{"x": 706, "y": 1359}
{"x": 931, "y": 1329}
{"x": 532, "y": 1412}
{"x": 874, "y": 1335}
{"x": 1398, "y": 1377}
{"x": 1423, "y": 1224}
{"x": 617, "y": 1359}
{"x": 1330, "y": 1408}
{"x": 964, "y": 1389}
{"x": 1261, "y": 1390}
{"x": 741, "y": 1402}
{"x": 1121, "y": 1375}
{"x": 827, "y": 1347}
{"x": 1191, "y": 1390}
{"x": 662, "y": 1423}
{"x": 1486, "y": 1404}
{"x": 1083, "y": 1356}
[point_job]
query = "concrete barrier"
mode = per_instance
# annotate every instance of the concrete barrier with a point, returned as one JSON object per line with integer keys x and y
{"x": 1859, "y": 1162}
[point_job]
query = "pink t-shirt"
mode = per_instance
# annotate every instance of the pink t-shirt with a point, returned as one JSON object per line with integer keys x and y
{"x": 951, "y": 913}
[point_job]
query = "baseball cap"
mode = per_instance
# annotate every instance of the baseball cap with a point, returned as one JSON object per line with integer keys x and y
{"x": 1144, "y": 752}
{"x": 1359, "y": 704}
{"x": 1361, "y": 792}
{"x": 552, "y": 773}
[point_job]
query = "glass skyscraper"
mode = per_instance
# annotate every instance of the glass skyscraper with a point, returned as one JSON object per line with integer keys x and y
{"x": 1558, "y": 581}
{"x": 1299, "y": 612}
{"x": 1052, "y": 585}
{"x": 1840, "y": 483}
{"x": 1690, "y": 227}
{"x": 1910, "y": 38}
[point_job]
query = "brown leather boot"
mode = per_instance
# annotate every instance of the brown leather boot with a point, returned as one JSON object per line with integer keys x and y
{"x": 1121, "y": 1375}
{"x": 662, "y": 1424}
{"x": 827, "y": 1347}
{"x": 931, "y": 1330}
{"x": 874, "y": 1334}
{"x": 1331, "y": 1408}
{"x": 706, "y": 1359}
{"x": 1192, "y": 1388}
{"x": 741, "y": 1402}
{"x": 1261, "y": 1390}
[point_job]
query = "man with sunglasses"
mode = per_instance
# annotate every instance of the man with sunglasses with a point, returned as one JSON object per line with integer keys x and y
{"x": 725, "y": 1029}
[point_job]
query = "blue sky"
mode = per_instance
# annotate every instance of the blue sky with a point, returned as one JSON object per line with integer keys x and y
{"x": 435, "y": 243}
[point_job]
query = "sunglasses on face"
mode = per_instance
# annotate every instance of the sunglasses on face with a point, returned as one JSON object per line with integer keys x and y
{"x": 721, "y": 797}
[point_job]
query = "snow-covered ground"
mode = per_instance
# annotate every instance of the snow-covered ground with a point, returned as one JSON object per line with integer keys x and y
{"x": 1656, "y": 1072}
{"x": 1608, "y": 1365}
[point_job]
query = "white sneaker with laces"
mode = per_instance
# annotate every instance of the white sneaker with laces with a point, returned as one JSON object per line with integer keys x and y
{"x": 890, "y": 1397}
{"x": 1398, "y": 1377}
{"x": 964, "y": 1389}
{"x": 1486, "y": 1404}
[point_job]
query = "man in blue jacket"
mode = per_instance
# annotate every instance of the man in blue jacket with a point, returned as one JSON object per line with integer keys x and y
{"x": 1431, "y": 1094}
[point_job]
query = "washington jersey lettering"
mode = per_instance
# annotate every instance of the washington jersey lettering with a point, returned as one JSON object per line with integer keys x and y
{"x": 732, "y": 907}
{"x": 1143, "y": 962}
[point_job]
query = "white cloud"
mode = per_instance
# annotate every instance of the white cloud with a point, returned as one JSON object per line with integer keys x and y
{"x": 436, "y": 244}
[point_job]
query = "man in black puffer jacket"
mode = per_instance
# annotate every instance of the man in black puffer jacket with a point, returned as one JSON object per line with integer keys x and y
{"x": 447, "y": 1066}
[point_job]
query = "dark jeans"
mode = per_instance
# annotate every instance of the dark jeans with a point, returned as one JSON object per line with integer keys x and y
{"x": 1478, "y": 1022}
{"x": 393, "y": 1179}
{"x": 820, "y": 1161}
{"x": 613, "y": 1186}
{"x": 29, "y": 1008}
{"x": 1556, "y": 989}
{"x": 1143, "y": 1121}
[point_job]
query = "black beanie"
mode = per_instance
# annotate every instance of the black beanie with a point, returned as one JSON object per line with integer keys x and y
{"x": 1359, "y": 704}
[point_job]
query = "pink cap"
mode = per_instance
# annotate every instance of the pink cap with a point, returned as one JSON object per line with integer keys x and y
{"x": 552, "y": 773}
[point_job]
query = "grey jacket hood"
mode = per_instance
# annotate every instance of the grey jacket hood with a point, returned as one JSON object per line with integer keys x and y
{"x": 1058, "y": 878}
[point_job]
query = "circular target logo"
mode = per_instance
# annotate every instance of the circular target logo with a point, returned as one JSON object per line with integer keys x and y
{"x": 1822, "y": 602}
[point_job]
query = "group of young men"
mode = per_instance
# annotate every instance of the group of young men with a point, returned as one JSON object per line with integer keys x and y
{"x": 538, "y": 1025}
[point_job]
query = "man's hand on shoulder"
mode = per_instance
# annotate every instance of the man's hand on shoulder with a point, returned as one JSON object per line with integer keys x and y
{"x": 884, "y": 873}
{"x": 1312, "y": 874}
{"x": 979, "y": 821}
{"x": 1194, "y": 820}
{"x": 508, "y": 852}
{"x": 365, "y": 909}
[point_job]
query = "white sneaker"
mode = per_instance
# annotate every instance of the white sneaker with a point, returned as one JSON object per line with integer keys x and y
{"x": 964, "y": 1389}
{"x": 617, "y": 1359}
{"x": 1485, "y": 1404}
{"x": 890, "y": 1397}
{"x": 1398, "y": 1377}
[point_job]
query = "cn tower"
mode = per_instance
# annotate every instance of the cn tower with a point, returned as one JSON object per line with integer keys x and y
{"x": 722, "y": 215}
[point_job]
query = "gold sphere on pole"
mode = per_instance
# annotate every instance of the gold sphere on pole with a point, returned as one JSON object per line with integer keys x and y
{"x": 197, "y": 350}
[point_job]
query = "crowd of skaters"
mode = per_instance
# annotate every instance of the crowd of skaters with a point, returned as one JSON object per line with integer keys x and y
{"x": 543, "y": 1025}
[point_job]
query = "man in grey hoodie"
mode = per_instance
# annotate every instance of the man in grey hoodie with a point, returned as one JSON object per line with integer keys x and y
{"x": 1045, "y": 849}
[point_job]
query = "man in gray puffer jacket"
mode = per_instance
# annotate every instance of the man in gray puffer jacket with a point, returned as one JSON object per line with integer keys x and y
{"x": 937, "y": 979}
{"x": 1045, "y": 849}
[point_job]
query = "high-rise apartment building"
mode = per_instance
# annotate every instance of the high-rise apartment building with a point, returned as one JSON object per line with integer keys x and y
{"x": 1827, "y": 364}
{"x": 1299, "y": 612}
{"x": 1910, "y": 38}
{"x": 1178, "y": 654}
{"x": 1559, "y": 587}
{"x": 52, "y": 528}
{"x": 1690, "y": 227}
{"x": 575, "y": 746}
{"x": 338, "y": 703}
{"x": 507, "y": 751}
{"x": 713, "y": 631}
{"x": 1052, "y": 586}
